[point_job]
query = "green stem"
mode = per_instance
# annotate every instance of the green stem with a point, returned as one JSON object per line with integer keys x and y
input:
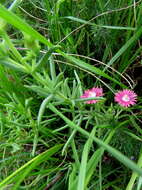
{"x": 118, "y": 155}
{"x": 69, "y": 141}
{"x": 48, "y": 152}
{"x": 12, "y": 8}
{"x": 52, "y": 68}
{"x": 72, "y": 142}
{"x": 14, "y": 5}
{"x": 11, "y": 46}
{"x": 134, "y": 174}
{"x": 75, "y": 153}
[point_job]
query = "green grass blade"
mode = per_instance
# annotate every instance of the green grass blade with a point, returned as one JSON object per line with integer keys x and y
{"x": 101, "y": 26}
{"x": 83, "y": 166}
{"x": 139, "y": 186}
{"x": 118, "y": 155}
{"x": 17, "y": 22}
{"x": 128, "y": 44}
{"x": 82, "y": 172}
{"x": 43, "y": 61}
{"x": 134, "y": 174}
{"x": 23, "y": 26}
{"x": 72, "y": 178}
{"x": 42, "y": 108}
{"x": 47, "y": 154}
{"x": 91, "y": 68}
{"x": 94, "y": 160}
{"x": 14, "y": 5}
{"x": 13, "y": 65}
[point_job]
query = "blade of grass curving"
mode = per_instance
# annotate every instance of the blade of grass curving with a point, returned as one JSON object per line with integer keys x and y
{"x": 22, "y": 176}
{"x": 90, "y": 68}
{"x": 72, "y": 177}
{"x": 94, "y": 160}
{"x": 44, "y": 155}
{"x": 52, "y": 68}
{"x": 36, "y": 162}
{"x": 82, "y": 172}
{"x": 75, "y": 154}
{"x": 16, "y": 21}
{"x": 71, "y": 141}
{"x": 118, "y": 155}
{"x": 134, "y": 174}
{"x": 57, "y": 5}
{"x": 96, "y": 25}
{"x": 83, "y": 166}
{"x": 12, "y": 48}
{"x": 86, "y": 99}
{"x": 128, "y": 44}
{"x": 139, "y": 186}
{"x": 42, "y": 108}
{"x": 45, "y": 58}
{"x": 23, "y": 26}
{"x": 14, "y": 5}
{"x": 135, "y": 125}
{"x": 79, "y": 82}
{"x": 68, "y": 141}
{"x": 13, "y": 65}
{"x": 40, "y": 91}
{"x": 133, "y": 135}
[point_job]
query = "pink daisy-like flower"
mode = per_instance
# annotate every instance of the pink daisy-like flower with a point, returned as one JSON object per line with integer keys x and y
{"x": 92, "y": 93}
{"x": 126, "y": 98}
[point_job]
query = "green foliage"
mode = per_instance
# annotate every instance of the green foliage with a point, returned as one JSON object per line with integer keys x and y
{"x": 50, "y": 52}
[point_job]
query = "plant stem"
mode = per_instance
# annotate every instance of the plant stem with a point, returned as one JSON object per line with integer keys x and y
{"x": 134, "y": 174}
{"x": 14, "y": 5}
{"x": 11, "y": 46}
{"x": 118, "y": 155}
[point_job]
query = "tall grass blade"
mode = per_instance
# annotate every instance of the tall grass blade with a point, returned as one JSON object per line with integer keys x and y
{"x": 38, "y": 159}
{"x": 128, "y": 44}
{"x": 118, "y": 155}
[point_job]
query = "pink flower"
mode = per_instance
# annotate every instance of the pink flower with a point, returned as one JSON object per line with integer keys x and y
{"x": 92, "y": 93}
{"x": 126, "y": 98}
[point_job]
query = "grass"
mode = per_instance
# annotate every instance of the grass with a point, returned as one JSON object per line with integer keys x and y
{"x": 50, "y": 52}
